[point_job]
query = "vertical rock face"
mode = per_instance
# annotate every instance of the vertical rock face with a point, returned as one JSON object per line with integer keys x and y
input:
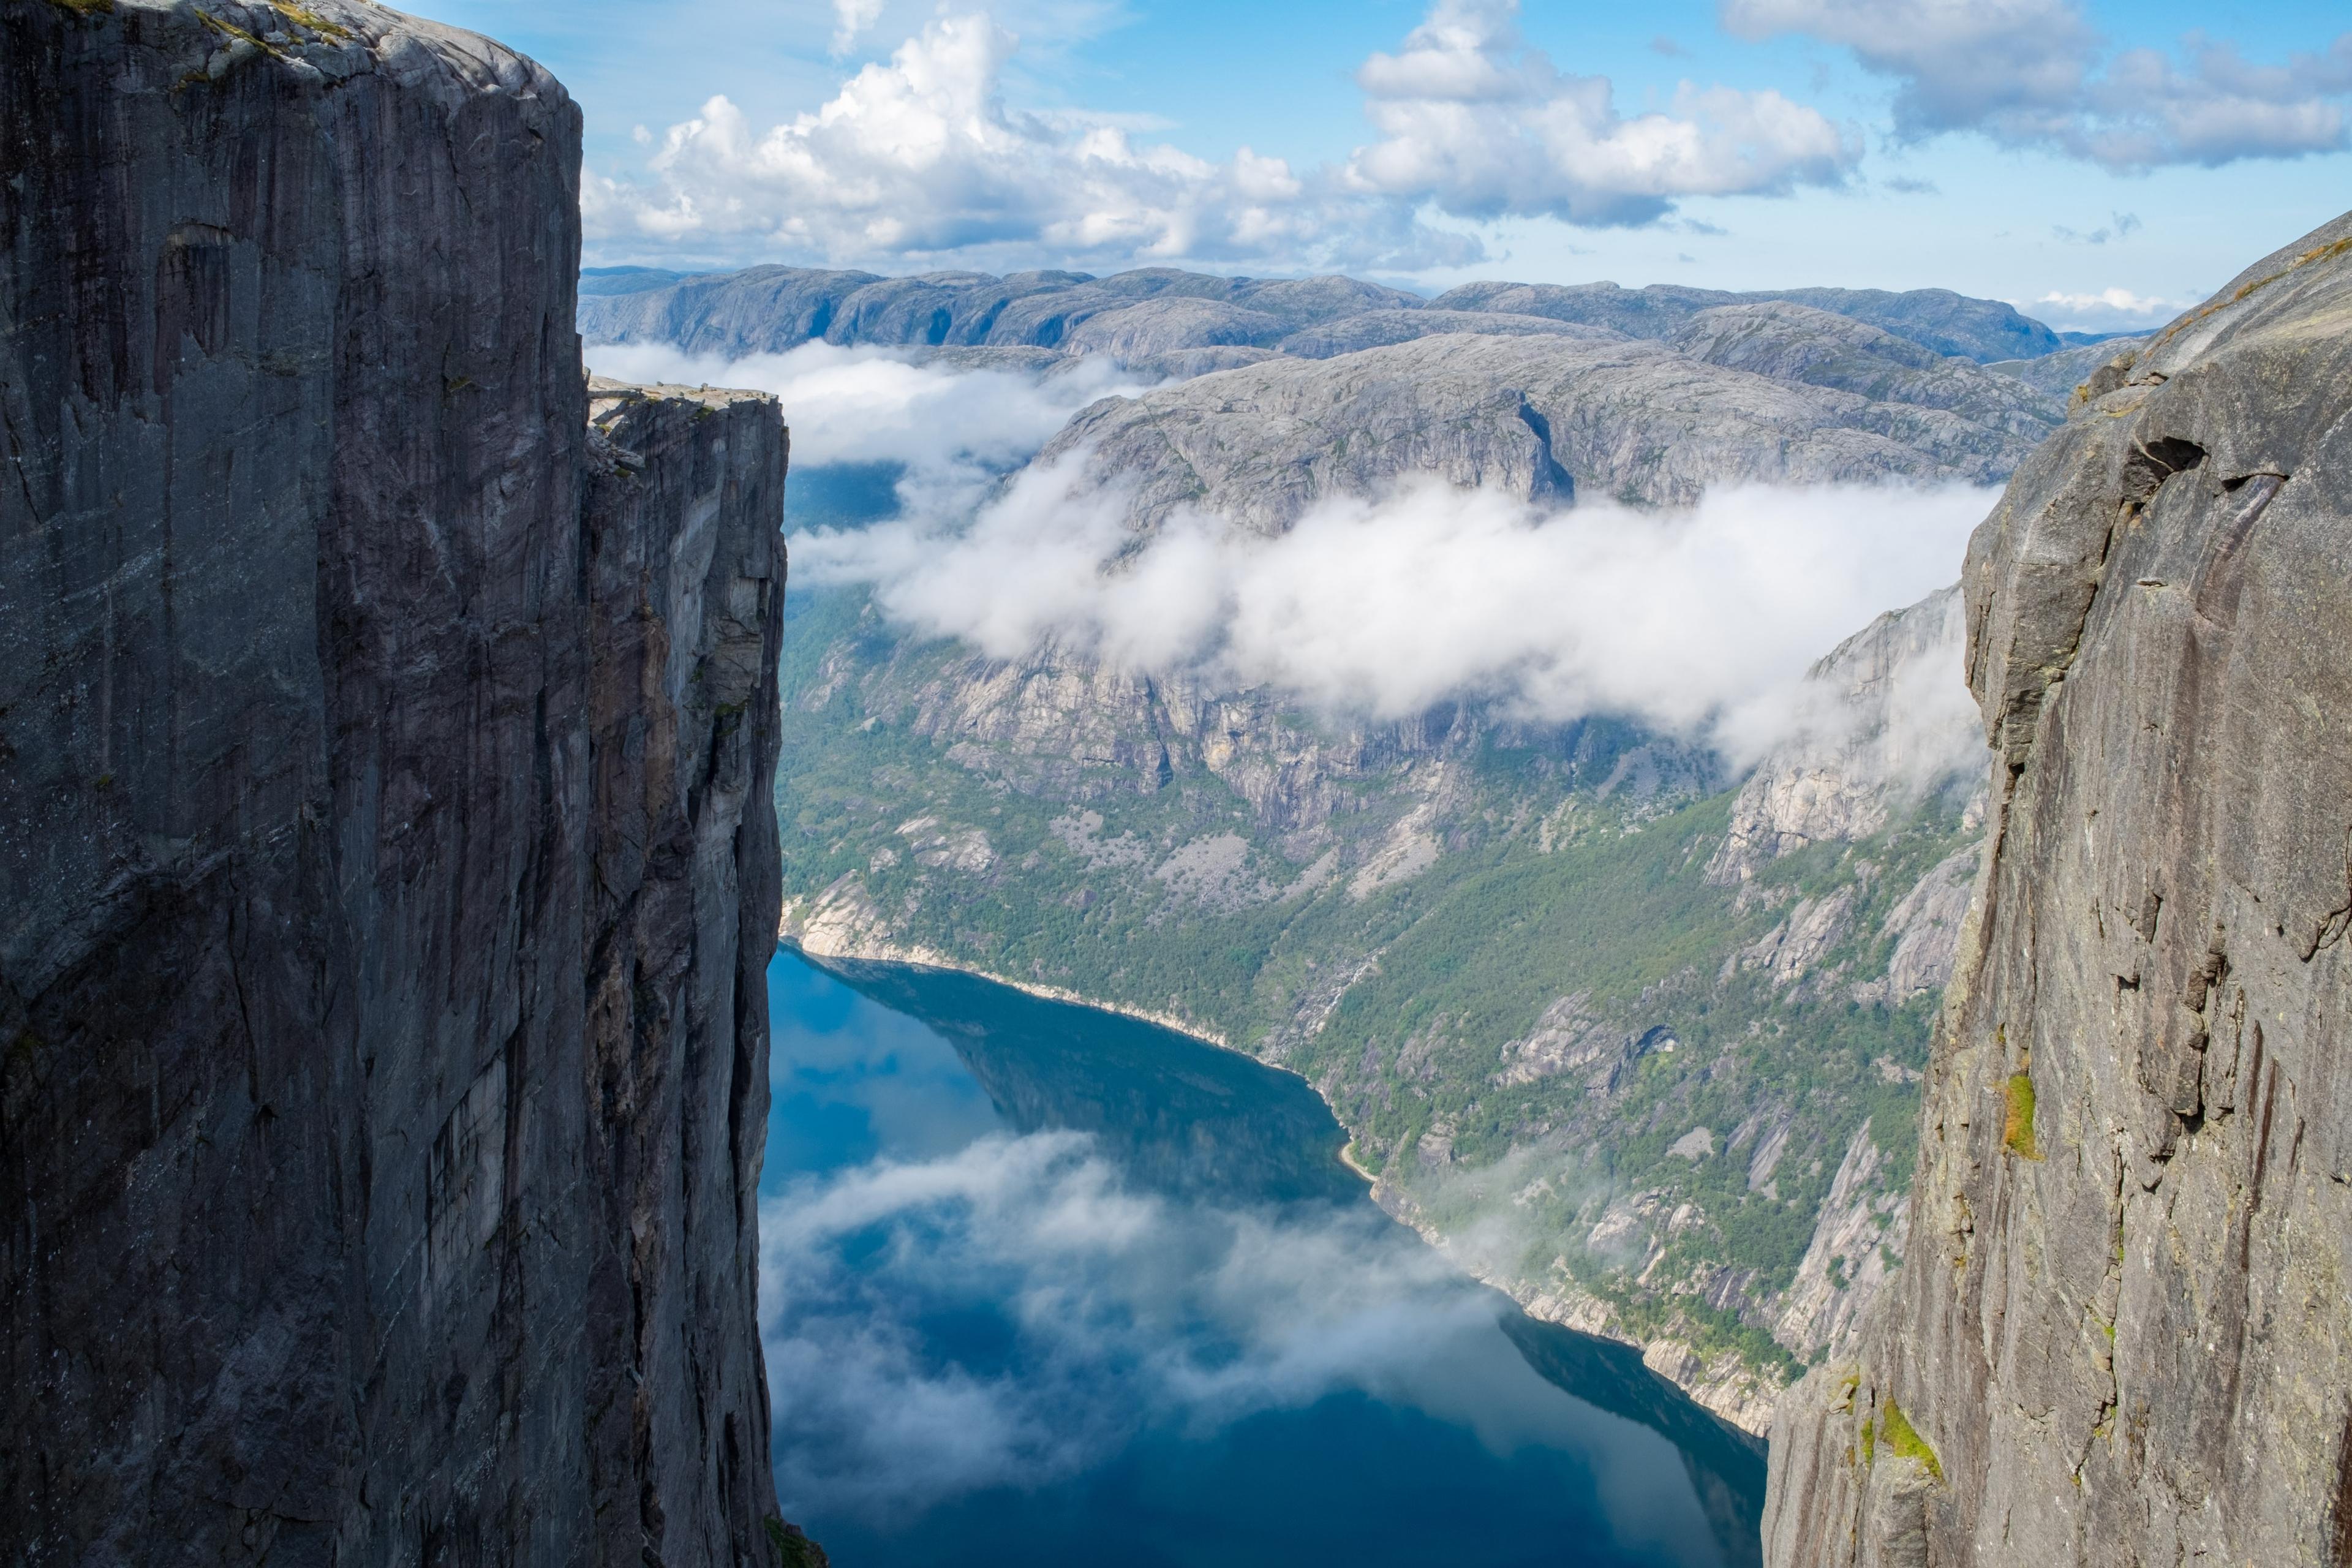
{"x": 2122, "y": 1334}
{"x": 385, "y": 875}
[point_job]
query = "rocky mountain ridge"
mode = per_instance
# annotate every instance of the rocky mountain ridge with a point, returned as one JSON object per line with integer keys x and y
{"x": 387, "y": 877}
{"x": 1541, "y": 418}
{"x": 2122, "y": 1338}
{"x": 766, "y": 309}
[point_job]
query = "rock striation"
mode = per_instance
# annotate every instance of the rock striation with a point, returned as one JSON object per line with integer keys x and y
{"x": 386, "y": 876}
{"x": 1796, "y": 343}
{"x": 2122, "y": 1336}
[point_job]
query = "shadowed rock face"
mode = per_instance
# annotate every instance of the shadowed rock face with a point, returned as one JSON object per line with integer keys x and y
{"x": 385, "y": 875}
{"x": 2122, "y": 1332}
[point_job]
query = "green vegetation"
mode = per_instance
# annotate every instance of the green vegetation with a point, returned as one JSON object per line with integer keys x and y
{"x": 1904, "y": 1441}
{"x": 2017, "y": 1125}
{"x": 1558, "y": 913}
{"x": 85, "y": 7}
{"x": 792, "y": 1549}
{"x": 232, "y": 30}
{"x": 309, "y": 19}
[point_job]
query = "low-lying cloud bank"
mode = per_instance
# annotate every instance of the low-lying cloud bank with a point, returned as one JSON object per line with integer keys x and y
{"x": 953, "y": 431}
{"x": 1701, "y": 623}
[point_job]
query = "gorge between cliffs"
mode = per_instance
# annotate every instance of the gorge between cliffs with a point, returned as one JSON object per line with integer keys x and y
{"x": 1532, "y": 922}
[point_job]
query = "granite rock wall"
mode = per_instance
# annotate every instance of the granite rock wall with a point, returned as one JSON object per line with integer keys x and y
{"x": 385, "y": 873}
{"x": 2121, "y": 1335}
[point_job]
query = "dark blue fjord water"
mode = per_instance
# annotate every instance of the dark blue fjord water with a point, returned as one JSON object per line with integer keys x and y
{"x": 1043, "y": 1285}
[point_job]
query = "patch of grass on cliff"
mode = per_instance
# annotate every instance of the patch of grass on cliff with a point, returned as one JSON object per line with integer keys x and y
{"x": 85, "y": 7}
{"x": 310, "y": 18}
{"x": 792, "y": 1549}
{"x": 2017, "y": 1125}
{"x": 1904, "y": 1439}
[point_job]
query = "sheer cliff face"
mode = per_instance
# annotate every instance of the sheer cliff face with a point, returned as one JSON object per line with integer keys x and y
{"x": 384, "y": 881}
{"x": 2121, "y": 1336}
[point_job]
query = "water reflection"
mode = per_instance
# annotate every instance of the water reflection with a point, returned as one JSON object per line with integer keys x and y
{"x": 1046, "y": 1284}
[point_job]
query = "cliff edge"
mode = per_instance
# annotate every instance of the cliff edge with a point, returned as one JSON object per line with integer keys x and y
{"x": 2121, "y": 1333}
{"x": 386, "y": 873}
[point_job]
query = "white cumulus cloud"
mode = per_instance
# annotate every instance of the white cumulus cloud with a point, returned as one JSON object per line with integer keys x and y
{"x": 2107, "y": 309}
{"x": 2035, "y": 73}
{"x": 1701, "y": 622}
{"x": 951, "y": 432}
{"x": 1472, "y": 119}
{"x": 921, "y": 156}
{"x": 850, "y": 19}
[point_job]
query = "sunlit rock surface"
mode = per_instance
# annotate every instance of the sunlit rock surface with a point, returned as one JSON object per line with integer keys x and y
{"x": 2122, "y": 1335}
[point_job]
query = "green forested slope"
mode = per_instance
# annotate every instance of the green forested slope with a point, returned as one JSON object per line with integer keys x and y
{"x": 1537, "y": 1022}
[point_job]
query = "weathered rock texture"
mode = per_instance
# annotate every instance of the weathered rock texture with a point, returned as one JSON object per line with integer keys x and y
{"x": 1544, "y": 418}
{"x": 2123, "y": 1336}
{"x": 385, "y": 874}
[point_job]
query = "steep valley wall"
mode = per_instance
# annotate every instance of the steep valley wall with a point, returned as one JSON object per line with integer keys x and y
{"x": 386, "y": 871}
{"x": 2122, "y": 1334}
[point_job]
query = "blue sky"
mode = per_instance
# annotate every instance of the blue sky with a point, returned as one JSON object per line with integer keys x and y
{"x": 2101, "y": 165}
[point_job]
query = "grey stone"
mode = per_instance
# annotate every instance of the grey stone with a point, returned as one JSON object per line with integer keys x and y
{"x": 387, "y": 872}
{"x": 769, "y": 308}
{"x": 2058, "y": 375}
{"x": 1797, "y": 342}
{"x": 1150, "y": 310}
{"x": 1868, "y": 738}
{"x": 2124, "y": 1327}
{"x": 1539, "y": 417}
{"x": 1936, "y": 319}
{"x": 1376, "y": 329}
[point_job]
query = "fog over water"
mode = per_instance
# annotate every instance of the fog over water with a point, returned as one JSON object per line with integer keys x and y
{"x": 1040, "y": 1284}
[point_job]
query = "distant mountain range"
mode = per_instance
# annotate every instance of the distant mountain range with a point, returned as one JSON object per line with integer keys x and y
{"x": 1160, "y": 310}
